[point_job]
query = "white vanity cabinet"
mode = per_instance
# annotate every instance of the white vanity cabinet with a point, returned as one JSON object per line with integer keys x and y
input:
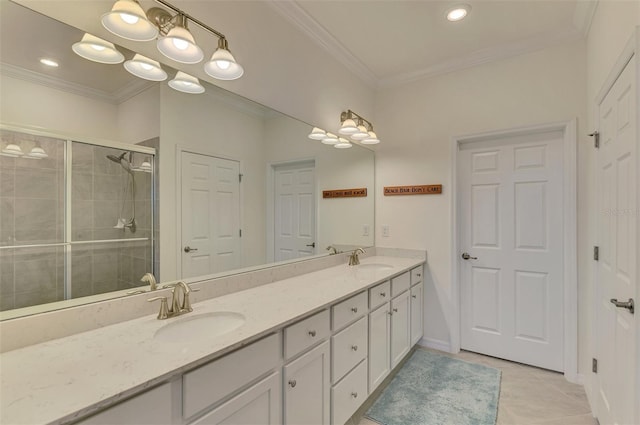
{"x": 417, "y": 312}
{"x": 400, "y": 327}
{"x": 379, "y": 344}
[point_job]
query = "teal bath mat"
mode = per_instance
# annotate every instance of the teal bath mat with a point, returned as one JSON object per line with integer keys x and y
{"x": 432, "y": 389}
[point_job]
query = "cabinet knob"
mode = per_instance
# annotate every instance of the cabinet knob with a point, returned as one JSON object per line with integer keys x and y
{"x": 419, "y": 274}
{"x": 354, "y": 347}
{"x": 354, "y": 394}
{"x": 383, "y": 294}
{"x": 354, "y": 309}
{"x": 414, "y": 296}
{"x": 292, "y": 383}
{"x": 312, "y": 333}
{"x": 395, "y": 310}
{"x": 390, "y": 313}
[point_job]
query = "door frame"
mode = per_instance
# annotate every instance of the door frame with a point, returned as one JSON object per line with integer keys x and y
{"x": 570, "y": 265}
{"x": 631, "y": 48}
{"x": 179, "y": 150}
{"x": 271, "y": 201}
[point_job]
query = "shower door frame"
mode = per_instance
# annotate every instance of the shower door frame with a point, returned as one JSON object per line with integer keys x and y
{"x": 67, "y": 242}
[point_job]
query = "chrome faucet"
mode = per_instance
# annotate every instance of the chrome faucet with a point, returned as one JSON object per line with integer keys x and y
{"x": 353, "y": 258}
{"x": 332, "y": 250}
{"x": 151, "y": 280}
{"x": 177, "y": 308}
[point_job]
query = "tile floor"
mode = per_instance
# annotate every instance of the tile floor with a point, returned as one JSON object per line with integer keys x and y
{"x": 529, "y": 395}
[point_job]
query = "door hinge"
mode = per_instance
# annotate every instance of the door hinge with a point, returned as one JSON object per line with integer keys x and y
{"x": 596, "y": 140}
{"x": 596, "y": 253}
{"x": 594, "y": 365}
{"x": 240, "y": 232}
{"x": 240, "y": 177}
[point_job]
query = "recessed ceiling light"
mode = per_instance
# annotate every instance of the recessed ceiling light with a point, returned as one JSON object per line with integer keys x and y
{"x": 49, "y": 62}
{"x": 458, "y": 13}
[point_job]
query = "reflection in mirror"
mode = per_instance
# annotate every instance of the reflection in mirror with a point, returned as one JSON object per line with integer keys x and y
{"x": 237, "y": 185}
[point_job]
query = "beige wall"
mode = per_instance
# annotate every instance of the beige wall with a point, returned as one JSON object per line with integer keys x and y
{"x": 613, "y": 25}
{"x": 417, "y": 122}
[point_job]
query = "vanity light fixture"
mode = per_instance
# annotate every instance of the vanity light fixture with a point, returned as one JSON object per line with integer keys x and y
{"x": 186, "y": 83}
{"x": 127, "y": 19}
{"x": 49, "y": 62}
{"x": 97, "y": 50}
{"x": 363, "y": 131}
{"x": 330, "y": 139}
{"x": 371, "y": 139}
{"x": 348, "y": 127}
{"x": 143, "y": 67}
{"x": 343, "y": 144}
{"x": 12, "y": 150}
{"x": 317, "y": 134}
{"x": 458, "y": 13}
{"x": 37, "y": 153}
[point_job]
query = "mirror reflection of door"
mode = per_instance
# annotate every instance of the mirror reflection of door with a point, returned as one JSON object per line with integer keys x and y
{"x": 210, "y": 214}
{"x": 295, "y": 210}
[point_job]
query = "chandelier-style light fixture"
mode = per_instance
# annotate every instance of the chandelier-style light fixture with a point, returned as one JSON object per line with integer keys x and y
{"x": 352, "y": 125}
{"x": 127, "y": 19}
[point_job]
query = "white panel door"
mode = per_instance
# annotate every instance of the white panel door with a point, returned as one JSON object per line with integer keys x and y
{"x": 210, "y": 214}
{"x": 511, "y": 222}
{"x": 295, "y": 211}
{"x": 617, "y": 268}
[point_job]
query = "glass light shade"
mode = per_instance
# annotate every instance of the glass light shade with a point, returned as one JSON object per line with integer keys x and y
{"x": 12, "y": 150}
{"x": 317, "y": 134}
{"x": 186, "y": 83}
{"x": 343, "y": 144}
{"x": 127, "y": 20}
{"x": 372, "y": 139}
{"x": 97, "y": 50}
{"x": 458, "y": 13}
{"x": 361, "y": 134}
{"x": 223, "y": 65}
{"x": 330, "y": 139}
{"x": 143, "y": 67}
{"x": 37, "y": 152}
{"x": 180, "y": 46}
{"x": 348, "y": 127}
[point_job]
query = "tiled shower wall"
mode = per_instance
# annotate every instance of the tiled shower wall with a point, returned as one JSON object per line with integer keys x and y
{"x": 32, "y": 207}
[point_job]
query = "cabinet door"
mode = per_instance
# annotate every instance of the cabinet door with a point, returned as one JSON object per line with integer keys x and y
{"x": 400, "y": 327}
{"x": 307, "y": 388}
{"x": 260, "y": 404}
{"x": 379, "y": 345}
{"x": 417, "y": 307}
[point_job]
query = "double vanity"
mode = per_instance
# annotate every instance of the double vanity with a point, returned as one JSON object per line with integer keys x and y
{"x": 305, "y": 349}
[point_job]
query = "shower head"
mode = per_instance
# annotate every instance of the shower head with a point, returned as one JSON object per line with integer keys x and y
{"x": 117, "y": 159}
{"x": 122, "y": 161}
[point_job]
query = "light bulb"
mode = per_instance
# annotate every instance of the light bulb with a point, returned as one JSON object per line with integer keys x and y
{"x": 129, "y": 19}
{"x": 97, "y": 47}
{"x": 458, "y": 13}
{"x": 223, "y": 64}
{"x": 180, "y": 44}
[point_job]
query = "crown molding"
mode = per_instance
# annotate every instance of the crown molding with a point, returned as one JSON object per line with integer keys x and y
{"x": 295, "y": 14}
{"x": 583, "y": 16}
{"x": 128, "y": 91}
{"x": 483, "y": 56}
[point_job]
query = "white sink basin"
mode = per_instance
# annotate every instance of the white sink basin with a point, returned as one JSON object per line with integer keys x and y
{"x": 374, "y": 266}
{"x": 198, "y": 326}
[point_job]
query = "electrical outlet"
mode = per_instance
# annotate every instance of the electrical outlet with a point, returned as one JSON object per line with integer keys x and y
{"x": 365, "y": 230}
{"x": 385, "y": 230}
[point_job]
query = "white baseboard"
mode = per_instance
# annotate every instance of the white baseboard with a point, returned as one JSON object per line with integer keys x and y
{"x": 435, "y": 344}
{"x": 579, "y": 379}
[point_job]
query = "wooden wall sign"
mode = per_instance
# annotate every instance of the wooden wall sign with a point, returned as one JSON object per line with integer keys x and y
{"x": 345, "y": 193}
{"x": 425, "y": 189}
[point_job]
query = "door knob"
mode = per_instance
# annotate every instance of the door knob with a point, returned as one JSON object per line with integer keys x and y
{"x": 312, "y": 245}
{"x": 629, "y": 305}
{"x": 466, "y": 256}
{"x": 189, "y": 249}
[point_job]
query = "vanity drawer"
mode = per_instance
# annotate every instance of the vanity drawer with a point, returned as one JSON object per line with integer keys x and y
{"x": 348, "y": 348}
{"x": 306, "y": 333}
{"x": 416, "y": 275}
{"x": 349, "y": 310}
{"x": 349, "y": 394}
{"x": 401, "y": 283}
{"x": 212, "y": 382}
{"x": 379, "y": 294}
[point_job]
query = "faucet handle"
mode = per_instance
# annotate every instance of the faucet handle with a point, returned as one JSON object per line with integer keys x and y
{"x": 164, "y": 307}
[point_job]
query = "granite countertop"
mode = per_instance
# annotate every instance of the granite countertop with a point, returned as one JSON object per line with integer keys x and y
{"x": 61, "y": 380}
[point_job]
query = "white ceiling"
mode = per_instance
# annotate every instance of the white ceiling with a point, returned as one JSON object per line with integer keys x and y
{"x": 395, "y": 41}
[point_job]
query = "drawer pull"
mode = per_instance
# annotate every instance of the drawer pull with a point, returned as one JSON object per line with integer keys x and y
{"x": 354, "y": 395}
{"x": 312, "y": 334}
{"x": 354, "y": 309}
{"x": 354, "y": 347}
{"x": 395, "y": 310}
{"x": 292, "y": 383}
{"x": 383, "y": 294}
{"x": 414, "y": 296}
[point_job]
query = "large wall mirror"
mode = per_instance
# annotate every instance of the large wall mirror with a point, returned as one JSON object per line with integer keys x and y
{"x": 139, "y": 177}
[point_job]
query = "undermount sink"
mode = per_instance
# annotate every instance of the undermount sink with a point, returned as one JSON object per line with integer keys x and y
{"x": 197, "y": 326}
{"x": 374, "y": 266}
